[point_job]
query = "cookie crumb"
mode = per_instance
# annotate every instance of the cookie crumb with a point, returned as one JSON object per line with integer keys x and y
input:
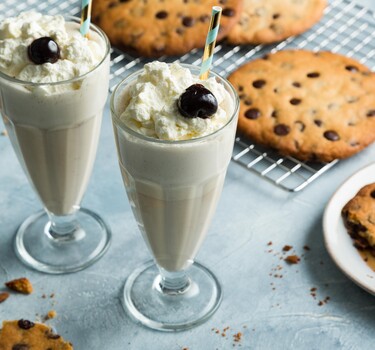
{"x": 292, "y": 259}
{"x": 20, "y": 285}
{"x": 237, "y": 337}
{"x": 50, "y": 314}
{"x": 306, "y": 247}
{"x": 286, "y": 248}
{"x": 269, "y": 243}
{"x": 3, "y": 296}
{"x": 4, "y": 133}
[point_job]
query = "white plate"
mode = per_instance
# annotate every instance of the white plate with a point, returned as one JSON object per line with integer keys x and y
{"x": 337, "y": 241}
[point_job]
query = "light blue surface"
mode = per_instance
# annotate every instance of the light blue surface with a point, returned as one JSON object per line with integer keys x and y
{"x": 271, "y": 312}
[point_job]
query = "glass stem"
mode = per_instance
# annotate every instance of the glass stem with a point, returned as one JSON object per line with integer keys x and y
{"x": 63, "y": 228}
{"x": 173, "y": 283}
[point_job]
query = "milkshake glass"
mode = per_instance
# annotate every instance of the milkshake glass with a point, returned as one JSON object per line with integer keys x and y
{"x": 54, "y": 129}
{"x": 173, "y": 187}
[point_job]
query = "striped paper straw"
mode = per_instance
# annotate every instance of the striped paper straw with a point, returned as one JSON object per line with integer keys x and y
{"x": 210, "y": 42}
{"x": 85, "y": 17}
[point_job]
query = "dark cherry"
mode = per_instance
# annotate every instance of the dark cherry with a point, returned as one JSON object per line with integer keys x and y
{"x": 197, "y": 102}
{"x": 43, "y": 50}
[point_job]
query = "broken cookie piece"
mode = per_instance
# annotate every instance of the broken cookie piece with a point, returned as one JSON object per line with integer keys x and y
{"x": 20, "y": 285}
{"x": 27, "y": 335}
{"x": 359, "y": 218}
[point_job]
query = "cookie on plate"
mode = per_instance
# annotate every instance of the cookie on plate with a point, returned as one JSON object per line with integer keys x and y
{"x": 264, "y": 22}
{"x": 359, "y": 218}
{"x": 312, "y": 106}
{"x": 24, "y": 335}
{"x": 156, "y": 27}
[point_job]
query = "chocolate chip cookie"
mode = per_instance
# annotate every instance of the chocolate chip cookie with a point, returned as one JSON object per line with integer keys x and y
{"x": 264, "y": 22}
{"x": 359, "y": 218}
{"x": 310, "y": 105}
{"x": 154, "y": 28}
{"x": 26, "y": 335}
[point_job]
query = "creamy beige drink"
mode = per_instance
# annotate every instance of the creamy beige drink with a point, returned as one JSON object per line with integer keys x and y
{"x": 52, "y": 110}
{"x": 53, "y": 88}
{"x": 173, "y": 166}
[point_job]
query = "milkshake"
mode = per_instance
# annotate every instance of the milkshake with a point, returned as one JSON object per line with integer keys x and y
{"x": 47, "y": 118}
{"x": 53, "y": 86}
{"x": 174, "y": 135}
{"x": 173, "y": 167}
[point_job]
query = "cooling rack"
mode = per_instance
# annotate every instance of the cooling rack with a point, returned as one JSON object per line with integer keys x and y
{"x": 346, "y": 28}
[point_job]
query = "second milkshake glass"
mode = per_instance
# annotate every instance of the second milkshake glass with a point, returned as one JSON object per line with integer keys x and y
{"x": 173, "y": 188}
{"x": 54, "y": 129}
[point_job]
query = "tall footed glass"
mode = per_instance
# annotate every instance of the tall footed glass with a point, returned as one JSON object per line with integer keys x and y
{"x": 173, "y": 188}
{"x": 54, "y": 129}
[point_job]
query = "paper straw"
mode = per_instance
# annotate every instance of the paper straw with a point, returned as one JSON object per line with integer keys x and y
{"x": 85, "y": 17}
{"x": 210, "y": 42}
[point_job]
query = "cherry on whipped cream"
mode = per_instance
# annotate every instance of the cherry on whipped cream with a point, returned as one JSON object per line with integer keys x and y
{"x": 197, "y": 102}
{"x": 43, "y": 50}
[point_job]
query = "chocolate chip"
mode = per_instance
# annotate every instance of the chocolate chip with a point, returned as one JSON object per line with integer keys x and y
{"x": 223, "y": 2}
{"x": 274, "y": 114}
{"x": 188, "y": 21}
{"x": 112, "y": 4}
{"x": 25, "y": 324}
{"x": 252, "y": 113}
{"x": 180, "y": 31}
{"x": 281, "y": 129}
{"x": 258, "y": 84}
{"x": 240, "y": 88}
{"x": 276, "y": 15}
{"x": 248, "y": 102}
{"x": 295, "y": 101}
{"x": 53, "y": 336}
{"x": 20, "y": 347}
{"x": 371, "y": 113}
{"x": 301, "y": 126}
{"x": 296, "y": 84}
{"x": 266, "y": 57}
{"x": 228, "y": 12}
{"x": 318, "y": 122}
{"x": 331, "y": 135}
{"x": 372, "y": 194}
{"x": 161, "y": 14}
{"x": 313, "y": 75}
{"x": 351, "y": 68}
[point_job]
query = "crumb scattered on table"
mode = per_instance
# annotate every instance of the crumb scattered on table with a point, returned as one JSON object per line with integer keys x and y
{"x": 20, "y": 285}
{"x": 3, "y": 296}
{"x": 292, "y": 259}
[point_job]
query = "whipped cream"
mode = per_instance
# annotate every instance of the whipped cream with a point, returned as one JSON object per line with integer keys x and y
{"x": 149, "y": 105}
{"x": 79, "y": 55}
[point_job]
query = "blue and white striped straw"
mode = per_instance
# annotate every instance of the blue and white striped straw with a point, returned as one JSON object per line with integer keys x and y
{"x": 210, "y": 42}
{"x": 85, "y": 17}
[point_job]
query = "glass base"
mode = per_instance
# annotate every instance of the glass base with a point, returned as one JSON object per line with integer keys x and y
{"x": 146, "y": 302}
{"x": 38, "y": 249}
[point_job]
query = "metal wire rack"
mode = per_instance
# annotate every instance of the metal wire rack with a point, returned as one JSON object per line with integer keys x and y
{"x": 346, "y": 28}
